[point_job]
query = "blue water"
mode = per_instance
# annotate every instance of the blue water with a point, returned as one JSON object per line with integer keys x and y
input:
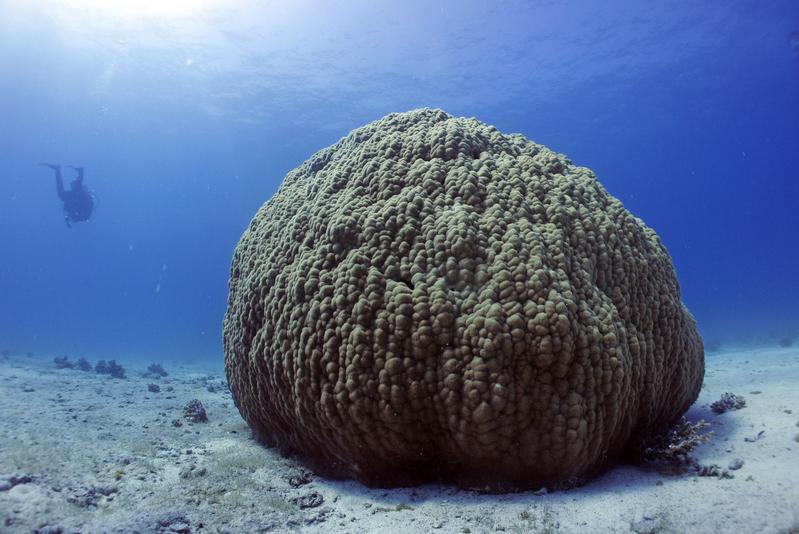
{"x": 187, "y": 115}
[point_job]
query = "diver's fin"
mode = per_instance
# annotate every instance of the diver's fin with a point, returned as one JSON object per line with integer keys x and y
{"x": 54, "y": 166}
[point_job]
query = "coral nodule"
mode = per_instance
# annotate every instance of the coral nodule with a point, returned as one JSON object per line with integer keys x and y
{"x": 432, "y": 299}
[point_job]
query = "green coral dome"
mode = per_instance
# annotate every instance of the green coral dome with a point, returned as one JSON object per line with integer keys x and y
{"x": 432, "y": 299}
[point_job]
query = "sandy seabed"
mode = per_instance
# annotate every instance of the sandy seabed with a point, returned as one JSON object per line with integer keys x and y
{"x": 83, "y": 452}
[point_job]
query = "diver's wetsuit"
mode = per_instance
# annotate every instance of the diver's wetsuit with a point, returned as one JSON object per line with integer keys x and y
{"x": 78, "y": 201}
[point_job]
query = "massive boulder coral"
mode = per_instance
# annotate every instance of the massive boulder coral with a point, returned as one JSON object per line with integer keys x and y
{"x": 430, "y": 298}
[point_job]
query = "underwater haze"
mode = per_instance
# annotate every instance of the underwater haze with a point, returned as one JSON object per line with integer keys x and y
{"x": 186, "y": 116}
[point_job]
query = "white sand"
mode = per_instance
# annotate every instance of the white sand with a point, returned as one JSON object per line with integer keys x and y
{"x": 94, "y": 454}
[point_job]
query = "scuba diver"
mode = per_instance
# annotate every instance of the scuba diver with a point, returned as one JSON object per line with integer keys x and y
{"x": 793, "y": 41}
{"x": 78, "y": 200}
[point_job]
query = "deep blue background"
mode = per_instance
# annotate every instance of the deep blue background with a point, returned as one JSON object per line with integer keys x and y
{"x": 187, "y": 121}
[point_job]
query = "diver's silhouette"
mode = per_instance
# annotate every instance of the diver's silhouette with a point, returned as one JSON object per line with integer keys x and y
{"x": 78, "y": 200}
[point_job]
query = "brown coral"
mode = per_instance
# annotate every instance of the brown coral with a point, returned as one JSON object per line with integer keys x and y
{"x": 431, "y": 298}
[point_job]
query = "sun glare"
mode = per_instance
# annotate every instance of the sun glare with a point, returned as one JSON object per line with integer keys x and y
{"x": 132, "y": 10}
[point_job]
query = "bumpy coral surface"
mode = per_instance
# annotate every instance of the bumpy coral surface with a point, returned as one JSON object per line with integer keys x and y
{"x": 430, "y": 298}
